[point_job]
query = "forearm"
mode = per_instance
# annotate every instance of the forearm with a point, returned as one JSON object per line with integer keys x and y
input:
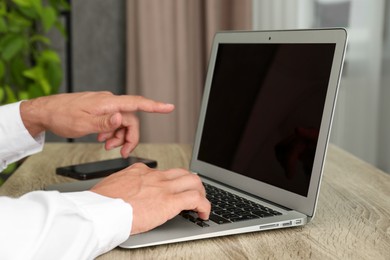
{"x": 52, "y": 225}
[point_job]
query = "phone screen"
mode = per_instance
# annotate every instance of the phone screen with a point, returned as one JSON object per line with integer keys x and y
{"x": 101, "y": 168}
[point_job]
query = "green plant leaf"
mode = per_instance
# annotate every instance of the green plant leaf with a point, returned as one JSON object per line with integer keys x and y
{"x": 61, "y": 29}
{"x": 3, "y": 25}
{"x": 3, "y": 8}
{"x": 38, "y": 75}
{"x": 50, "y": 63}
{"x": 64, "y": 5}
{"x": 29, "y": 12}
{"x": 2, "y": 70}
{"x": 60, "y": 4}
{"x": 31, "y": 68}
{"x": 34, "y": 73}
{"x": 11, "y": 45}
{"x": 37, "y": 4}
{"x": 49, "y": 17}
{"x": 30, "y": 8}
{"x": 45, "y": 86}
{"x": 10, "y": 168}
{"x": 17, "y": 23}
{"x": 17, "y": 66}
{"x": 23, "y": 95}
{"x": 40, "y": 38}
{"x": 23, "y": 3}
{"x": 53, "y": 72}
{"x": 10, "y": 95}
{"x": 1, "y": 94}
{"x": 34, "y": 90}
{"x": 49, "y": 56}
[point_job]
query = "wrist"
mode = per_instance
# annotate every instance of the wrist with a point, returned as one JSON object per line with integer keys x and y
{"x": 31, "y": 117}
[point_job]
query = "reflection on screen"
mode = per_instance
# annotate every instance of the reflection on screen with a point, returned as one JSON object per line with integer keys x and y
{"x": 265, "y": 109}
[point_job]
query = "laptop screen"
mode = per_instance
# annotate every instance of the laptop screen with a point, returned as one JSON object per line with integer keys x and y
{"x": 264, "y": 111}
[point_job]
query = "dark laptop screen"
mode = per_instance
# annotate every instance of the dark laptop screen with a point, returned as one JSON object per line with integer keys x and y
{"x": 265, "y": 109}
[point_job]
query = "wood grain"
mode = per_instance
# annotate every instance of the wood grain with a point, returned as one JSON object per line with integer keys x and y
{"x": 352, "y": 219}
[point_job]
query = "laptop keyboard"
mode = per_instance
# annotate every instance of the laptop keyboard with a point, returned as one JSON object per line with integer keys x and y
{"x": 228, "y": 208}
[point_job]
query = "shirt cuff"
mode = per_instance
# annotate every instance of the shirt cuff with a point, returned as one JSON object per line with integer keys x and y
{"x": 16, "y": 142}
{"x": 112, "y": 218}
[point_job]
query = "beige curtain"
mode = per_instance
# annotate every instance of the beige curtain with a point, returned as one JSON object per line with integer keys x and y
{"x": 168, "y": 44}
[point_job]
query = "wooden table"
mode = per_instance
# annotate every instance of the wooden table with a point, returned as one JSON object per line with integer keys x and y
{"x": 352, "y": 220}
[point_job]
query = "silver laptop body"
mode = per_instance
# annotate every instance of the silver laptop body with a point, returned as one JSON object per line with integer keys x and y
{"x": 262, "y": 134}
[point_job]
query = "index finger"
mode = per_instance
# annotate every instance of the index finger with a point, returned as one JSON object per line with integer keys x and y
{"x": 139, "y": 103}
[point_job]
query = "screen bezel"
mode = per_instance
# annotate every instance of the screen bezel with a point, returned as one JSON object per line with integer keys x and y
{"x": 288, "y": 199}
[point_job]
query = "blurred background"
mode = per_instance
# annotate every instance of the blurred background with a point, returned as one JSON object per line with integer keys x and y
{"x": 160, "y": 49}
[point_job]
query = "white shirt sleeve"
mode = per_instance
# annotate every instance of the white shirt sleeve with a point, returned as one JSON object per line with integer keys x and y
{"x": 53, "y": 225}
{"x": 15, "y": 140}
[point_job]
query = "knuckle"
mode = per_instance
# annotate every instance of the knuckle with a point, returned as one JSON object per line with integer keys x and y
{"x": 197, "y": 195}
{"x": 195, "y": 179}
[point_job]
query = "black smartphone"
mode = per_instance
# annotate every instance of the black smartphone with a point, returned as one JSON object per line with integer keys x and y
{"x": 99, "y": 169}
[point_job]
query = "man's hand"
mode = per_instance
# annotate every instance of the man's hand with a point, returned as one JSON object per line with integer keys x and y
{"x": 156, "y": 196}
{"x": 78, "y": 114}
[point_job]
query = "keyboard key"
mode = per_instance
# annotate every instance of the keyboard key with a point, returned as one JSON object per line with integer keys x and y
{"x": 187, "y": 215}
{"x": 218, "y": 219}
{"x": 244, "y": 217}
{"x": 262, "y": 214}
{"x": 227, "y": 208}
{"x": 202, "y": 224}
{"x": 219, "y": 212}
{"x": 230, "y": 215}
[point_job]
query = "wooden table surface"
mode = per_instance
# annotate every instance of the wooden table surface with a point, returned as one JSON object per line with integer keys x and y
{"x": 352, "y": 219}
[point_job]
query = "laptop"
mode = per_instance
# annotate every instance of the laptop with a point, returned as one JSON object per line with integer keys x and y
{"x": 262, "y": 134}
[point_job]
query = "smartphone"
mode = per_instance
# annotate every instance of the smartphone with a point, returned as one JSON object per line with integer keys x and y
{"x": 99, "y": 169}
